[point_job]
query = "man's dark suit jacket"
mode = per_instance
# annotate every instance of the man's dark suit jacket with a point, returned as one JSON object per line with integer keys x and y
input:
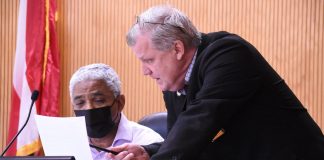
{"x": 233, "y": 88}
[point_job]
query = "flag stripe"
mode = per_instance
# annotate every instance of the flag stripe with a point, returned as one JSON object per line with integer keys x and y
{"x": 50, "y": 96}
{"x": 15, "y": 102}
{"x": 30, "y": 130}
{"x": 35, "y": 39}
{"x": 19, "y": 70}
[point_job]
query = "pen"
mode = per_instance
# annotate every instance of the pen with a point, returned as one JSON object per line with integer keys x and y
{"x": 103, "y": 149}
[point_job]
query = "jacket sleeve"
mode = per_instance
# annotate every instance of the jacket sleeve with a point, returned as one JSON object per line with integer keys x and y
{"x": 222, "y": 83}
{"x": 152, "y": 148}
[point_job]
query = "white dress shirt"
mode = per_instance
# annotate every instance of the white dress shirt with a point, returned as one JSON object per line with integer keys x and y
{"x": 129, "y": 132}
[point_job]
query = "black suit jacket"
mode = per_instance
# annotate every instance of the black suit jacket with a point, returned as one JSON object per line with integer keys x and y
{"x": 233, "y": 88}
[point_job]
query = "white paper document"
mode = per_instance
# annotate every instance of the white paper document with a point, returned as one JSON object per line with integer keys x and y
{"x": 64, "y": 136}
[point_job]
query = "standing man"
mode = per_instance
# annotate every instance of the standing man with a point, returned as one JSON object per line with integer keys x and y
{"x": 95, "y": 93}
{"x": 224, "y": 100}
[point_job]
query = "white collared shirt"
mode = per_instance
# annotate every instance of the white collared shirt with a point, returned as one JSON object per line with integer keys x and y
{"x": 129, "y": 132}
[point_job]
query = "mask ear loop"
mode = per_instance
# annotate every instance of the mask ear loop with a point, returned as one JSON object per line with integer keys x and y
{"x": 115, "y": 123}
{"x": 117, "y": 116}
{"x": 117, "y": 113}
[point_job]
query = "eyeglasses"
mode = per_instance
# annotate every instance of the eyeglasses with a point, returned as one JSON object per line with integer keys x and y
{"x": 160, "y": 23}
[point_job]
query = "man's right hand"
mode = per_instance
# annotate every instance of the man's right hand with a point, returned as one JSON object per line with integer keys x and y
{"x": 129, "y": 151}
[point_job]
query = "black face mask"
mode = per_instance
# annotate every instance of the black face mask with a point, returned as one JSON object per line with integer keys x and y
{"x": 98, "y": 121}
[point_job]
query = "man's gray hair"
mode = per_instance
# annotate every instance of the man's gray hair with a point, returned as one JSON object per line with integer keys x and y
{"x": 97, "y": 71}
{"x": 165, "y": 24}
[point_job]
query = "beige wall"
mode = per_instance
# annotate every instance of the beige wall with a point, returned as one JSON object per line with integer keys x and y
{"x": 289, "y": 33}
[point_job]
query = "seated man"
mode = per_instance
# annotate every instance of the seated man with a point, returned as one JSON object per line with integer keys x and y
{"x": 95, "y": 94}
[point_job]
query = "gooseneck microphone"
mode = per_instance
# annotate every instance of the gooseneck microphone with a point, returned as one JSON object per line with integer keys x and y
{"x": 33, "y": 98}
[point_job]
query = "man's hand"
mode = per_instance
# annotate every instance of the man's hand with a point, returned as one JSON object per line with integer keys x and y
{"x": 129, "y": 151}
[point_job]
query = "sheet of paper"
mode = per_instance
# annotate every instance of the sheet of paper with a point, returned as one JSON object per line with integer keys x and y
{"x": 64, "y": 136}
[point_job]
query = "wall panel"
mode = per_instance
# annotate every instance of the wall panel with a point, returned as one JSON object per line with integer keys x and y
{"x": 288, "y": 33}
{"x": 8, "y": 23}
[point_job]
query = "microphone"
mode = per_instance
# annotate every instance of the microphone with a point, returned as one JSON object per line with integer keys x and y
{"x": 33, "y": 98}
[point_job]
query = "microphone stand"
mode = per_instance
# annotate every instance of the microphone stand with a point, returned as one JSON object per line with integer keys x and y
{"x": 34, "y": 98}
